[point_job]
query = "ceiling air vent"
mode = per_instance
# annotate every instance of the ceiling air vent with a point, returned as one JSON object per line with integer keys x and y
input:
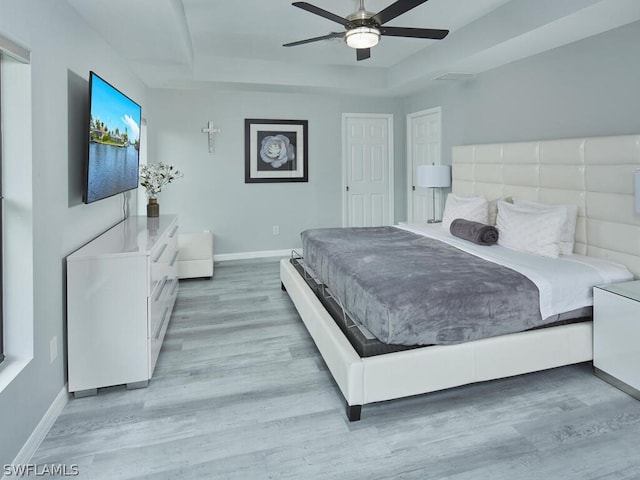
{"x": 454, "y": 76}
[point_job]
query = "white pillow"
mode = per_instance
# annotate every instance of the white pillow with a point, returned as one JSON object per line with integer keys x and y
{"x": 530, "y": 230}
{"x": 475, "y": 208}
{"x": 568, "y": 234}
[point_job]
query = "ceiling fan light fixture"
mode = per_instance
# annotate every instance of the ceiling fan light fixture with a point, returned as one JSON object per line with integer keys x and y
{"x": 362, "y": 37}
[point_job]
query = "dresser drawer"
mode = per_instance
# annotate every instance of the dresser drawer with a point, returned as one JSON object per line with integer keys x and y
{"x": 172, "y": 293}
{"x": 157, "y": 302}
{"x": 173, "y": 231}
{"x": 172, "y": 261}
{"x": 159, "y": 323}
{"x": 160, "y": 306}
{"x": 163, "y": 259}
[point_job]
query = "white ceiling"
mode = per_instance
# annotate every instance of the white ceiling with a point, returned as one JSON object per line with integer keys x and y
{"x": 238, "y": 43}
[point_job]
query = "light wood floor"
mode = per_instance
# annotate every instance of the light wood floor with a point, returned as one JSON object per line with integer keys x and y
{"x": 240, "y": 392}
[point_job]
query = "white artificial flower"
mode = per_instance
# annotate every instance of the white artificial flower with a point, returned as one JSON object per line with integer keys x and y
{"x": 154, "y": 176}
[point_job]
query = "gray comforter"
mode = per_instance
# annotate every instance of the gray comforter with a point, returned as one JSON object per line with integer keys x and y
{"x": 411, "y": 290}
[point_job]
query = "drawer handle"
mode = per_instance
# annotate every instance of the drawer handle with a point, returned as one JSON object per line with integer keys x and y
{"x": 173, "y": 259}
{"x": 157, "y": 257}
{"x": 159, "y": 294}
{"x": 175, "y": 286}
{"x": 173, "y": 231}
{"x": 159, "y": 327}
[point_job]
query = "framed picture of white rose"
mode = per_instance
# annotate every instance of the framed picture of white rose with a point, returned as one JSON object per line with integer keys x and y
{"x": 275, "y": 150}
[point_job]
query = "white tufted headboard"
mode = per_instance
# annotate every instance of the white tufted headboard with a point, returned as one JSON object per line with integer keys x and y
{"x": 594, "y": 173}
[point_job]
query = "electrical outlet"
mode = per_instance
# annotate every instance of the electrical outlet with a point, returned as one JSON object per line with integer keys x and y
{"x": 276, "y": 229}
{"x": 53, "y": 349}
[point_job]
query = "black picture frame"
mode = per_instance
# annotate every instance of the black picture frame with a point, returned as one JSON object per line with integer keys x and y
{"x": 276, "y": 151}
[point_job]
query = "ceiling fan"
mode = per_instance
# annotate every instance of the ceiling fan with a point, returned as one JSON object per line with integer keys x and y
{"x": 364, "y": 28}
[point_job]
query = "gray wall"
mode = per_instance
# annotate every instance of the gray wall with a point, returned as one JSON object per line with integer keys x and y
{"x": 212, "y": 194}
{"x": 588, "y": 88}
{"x": 63, "y": 50}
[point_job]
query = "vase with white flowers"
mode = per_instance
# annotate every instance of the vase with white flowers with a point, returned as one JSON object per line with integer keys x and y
{"x": 153, "y": 177}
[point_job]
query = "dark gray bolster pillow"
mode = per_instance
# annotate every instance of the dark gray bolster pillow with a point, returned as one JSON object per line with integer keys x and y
{"x": 474, "y": 231}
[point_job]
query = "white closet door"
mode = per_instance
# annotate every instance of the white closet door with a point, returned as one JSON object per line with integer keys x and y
{"x": 423, "y": 148}
{"x": 367, "y": 170}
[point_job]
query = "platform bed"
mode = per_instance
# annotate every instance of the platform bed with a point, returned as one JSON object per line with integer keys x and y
{"x": 580, "y": 171}
{"x": 365, "y": 380}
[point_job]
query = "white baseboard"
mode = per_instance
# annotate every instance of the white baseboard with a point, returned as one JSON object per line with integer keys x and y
{"x": 41, "y": 430}
{"x": 249, "y": 255}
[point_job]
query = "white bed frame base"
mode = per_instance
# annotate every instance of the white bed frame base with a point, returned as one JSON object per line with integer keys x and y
{"x": 595, "y": 173}
{"x": 423, "y": 370}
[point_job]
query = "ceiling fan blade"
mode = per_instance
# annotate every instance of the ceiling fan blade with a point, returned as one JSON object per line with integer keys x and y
{"x": 363, "y": 53}
{"x": 431, "y": 33}
{"x": 315, "y": 39}
{"x": 395, "y": 10}
{"x": 319, "y": 11}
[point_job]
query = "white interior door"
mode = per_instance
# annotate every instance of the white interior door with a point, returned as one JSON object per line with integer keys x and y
{"x": 424, "y": 140}
{"x": 367, "y": 141}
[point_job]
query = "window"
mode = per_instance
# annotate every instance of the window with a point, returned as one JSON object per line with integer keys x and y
{"x": 16, "y": 211}
{"x": 1, "y": 231}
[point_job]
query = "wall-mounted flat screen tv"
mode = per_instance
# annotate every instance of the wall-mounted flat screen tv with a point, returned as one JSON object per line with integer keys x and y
{"x": 114, "y": 141}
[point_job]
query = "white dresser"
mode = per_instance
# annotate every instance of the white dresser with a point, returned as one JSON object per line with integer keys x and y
{"x": 121, "y": 288}
{"x": 616, "y": 335}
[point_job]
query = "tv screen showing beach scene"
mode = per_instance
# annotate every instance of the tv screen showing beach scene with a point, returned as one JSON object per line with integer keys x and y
{"x": 114, "y": 141}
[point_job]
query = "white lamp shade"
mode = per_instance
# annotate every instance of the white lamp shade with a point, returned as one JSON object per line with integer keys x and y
{"x": 434, "y": 176}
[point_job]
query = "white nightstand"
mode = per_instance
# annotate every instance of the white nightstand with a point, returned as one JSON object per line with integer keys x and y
{"x": 616, "y": 335}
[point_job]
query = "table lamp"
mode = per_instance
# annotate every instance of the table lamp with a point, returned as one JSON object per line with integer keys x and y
{"x": 434, "y": 176}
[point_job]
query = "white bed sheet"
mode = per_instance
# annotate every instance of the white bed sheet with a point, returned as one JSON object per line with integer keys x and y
{"x": 565, "y": 283}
